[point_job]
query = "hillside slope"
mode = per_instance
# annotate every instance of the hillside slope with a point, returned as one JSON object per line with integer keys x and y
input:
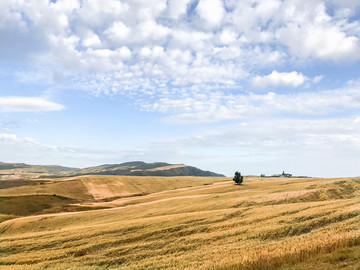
{"x": 22, "y": 171}
{"x": 81, "y": 192}
{"x": 263, "y": 224}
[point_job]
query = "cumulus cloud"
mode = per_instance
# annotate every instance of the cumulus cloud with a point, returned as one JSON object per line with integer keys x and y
{"x": 174, "y": 42}
{"x": 311, "y": 32}
{"x": 117, "y": 33}
{"x": 28, "y": 104}
{"x": 163, "y": 55}
{"x": 177, "y": 8}
{"x": 323, "y": 42}
{"x": 292, "y": 79}
{"x": 91, "y": 40}
{"x": 211, "y": 11}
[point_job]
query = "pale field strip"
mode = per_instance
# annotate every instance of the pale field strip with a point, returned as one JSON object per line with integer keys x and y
{"x": 67, "y": 178}
{"x": 63, "y": 179}
{"x": 154, "y": 197}
{"x": 103, "y": 187}
{"x": 166, "y": 168}
{"x": 101, "y": 191}
{"x": 26, "y": 176}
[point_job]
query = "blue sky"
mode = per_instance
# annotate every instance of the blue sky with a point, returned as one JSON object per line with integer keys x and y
{"x": 258, "y": 86}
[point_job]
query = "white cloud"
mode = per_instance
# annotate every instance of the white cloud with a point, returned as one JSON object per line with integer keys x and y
{"x": 221, "y": 41}
{"x": 318, "y": 79}
{"x": 287, "y": 134}
{"x": 293, "y": 79}
{"x": 309, "y": 31}
{"x": 323, "y": 42}
{"x": 118, "y": 32}
{"x": 31, "y": 151}
{"x": 266, "y": 9}
{"x": 8, "y": 137}
{"x": 96, "y": 13}
{"x": 91, "y": 40}
{"x": 267, "y": 145}
{"x": 227, "y": 36}
{"x": 218, "y": 106}
{"x": 347, "y": 3}
{"x": 211, "y": 11}
{"x": 177, "y": 8}
{"x": 28, "y": 104}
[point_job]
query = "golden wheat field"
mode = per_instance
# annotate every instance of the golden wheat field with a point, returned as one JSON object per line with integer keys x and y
{"x": 186, "y": 223}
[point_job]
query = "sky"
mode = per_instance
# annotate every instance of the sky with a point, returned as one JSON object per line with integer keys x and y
{"x": 258, "y": 86}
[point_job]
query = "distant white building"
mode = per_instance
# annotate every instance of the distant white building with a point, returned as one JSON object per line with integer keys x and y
{"x": 282, "y": 175}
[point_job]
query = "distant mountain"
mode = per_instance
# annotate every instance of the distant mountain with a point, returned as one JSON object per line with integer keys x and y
{"x": 9, "y": 171}
{"x": 8, "y": 166}
{"x": 140, "y": 168}
{"x": 14, "y": 171}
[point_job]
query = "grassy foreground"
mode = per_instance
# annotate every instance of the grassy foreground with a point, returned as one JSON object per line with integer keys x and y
{"x": 272, "y": 223}
{"x": 25, "y": 198}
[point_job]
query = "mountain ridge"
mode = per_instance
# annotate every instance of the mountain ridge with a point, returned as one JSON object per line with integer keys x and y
{"x": 14, "y": 171}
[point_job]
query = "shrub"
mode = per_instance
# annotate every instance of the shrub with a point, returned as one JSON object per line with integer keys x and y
{"x": 238, "y": 178}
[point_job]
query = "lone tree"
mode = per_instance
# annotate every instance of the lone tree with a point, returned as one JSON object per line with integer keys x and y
{"x": 238, "y": 178}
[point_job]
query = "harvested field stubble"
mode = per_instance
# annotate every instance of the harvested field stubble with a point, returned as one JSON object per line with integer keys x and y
{"x": 262, "y": 224}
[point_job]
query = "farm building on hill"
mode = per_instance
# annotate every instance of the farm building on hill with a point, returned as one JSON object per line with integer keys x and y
{"x": 282, "y": 175}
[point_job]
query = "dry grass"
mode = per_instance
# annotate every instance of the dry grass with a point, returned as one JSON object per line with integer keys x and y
{"x": 102, "y": 187}
{"x": 262, "y": 224}
{"x": 347, "y": 258}
{"x": 80, "y": 193}
{"x": 74, "y": 189}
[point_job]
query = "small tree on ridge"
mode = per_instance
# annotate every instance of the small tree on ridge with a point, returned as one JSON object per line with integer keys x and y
{"x": 238, "y": 178}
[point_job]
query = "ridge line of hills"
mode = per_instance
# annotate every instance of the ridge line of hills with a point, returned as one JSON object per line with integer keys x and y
{"x": 14, "y": 171}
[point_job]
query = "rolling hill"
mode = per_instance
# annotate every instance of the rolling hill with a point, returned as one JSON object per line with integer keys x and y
{"x": 120, "y": 216}
{"x": 87, "y": 192}
{"x": 21, "y": 171}
{"x": 184, "y": 223}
